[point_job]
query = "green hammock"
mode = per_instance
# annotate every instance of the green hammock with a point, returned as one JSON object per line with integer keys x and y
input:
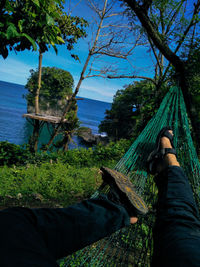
{"x": 132, "y": 246}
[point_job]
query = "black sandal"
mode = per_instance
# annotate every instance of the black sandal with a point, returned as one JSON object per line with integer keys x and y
{"x": 123, "y": 192}
{"x": 158, "y": 154}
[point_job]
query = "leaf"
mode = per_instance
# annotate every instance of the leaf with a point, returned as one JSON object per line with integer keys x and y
{"x": 36, "y": 2}
{"x": 60, "y": 39}
{"x": 20, "y": 22}
{"x": 50, "y": 20}
{"x": 55, "y": 49}
{"x": 75, "y": 57}
{"x": 30, "y": 40}
{"x": 11, "y": 32}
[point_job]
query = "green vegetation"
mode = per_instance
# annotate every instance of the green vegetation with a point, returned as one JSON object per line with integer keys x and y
{"x": 31, "y": 24}
{"x": 57, "y": 84}
{"x": 131, "y": 109}
{"x": 171, "y": 32}
{"x": 60, "y": 178}
{"x": 15, "y": 155}
{"x": 39, "y": 25}
{"x": 56, "y": 87}
{"x": 56, "y": 183}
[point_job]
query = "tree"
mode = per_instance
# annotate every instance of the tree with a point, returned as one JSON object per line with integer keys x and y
{"x": 170, "y": 48}
{"x": 131, "y": 109}
{"x": 107, "y": 40}
{"x": 56, "y": 87}
{"x": 37, "y": 24}
{"x": 168, "y": 17}
{"x": 26, "y": 24}
{"x": 57, "y": 84}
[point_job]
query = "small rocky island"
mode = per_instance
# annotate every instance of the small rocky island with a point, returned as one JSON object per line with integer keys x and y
{"x": 86, "y": 135}
{"x": 56, "y": 90}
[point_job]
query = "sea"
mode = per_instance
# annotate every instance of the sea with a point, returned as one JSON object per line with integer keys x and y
{"x": 16, "y": 129}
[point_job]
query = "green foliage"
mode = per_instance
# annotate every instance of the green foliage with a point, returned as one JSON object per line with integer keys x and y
{"x": 191, "y": 56}
{"x": 12, "y": 154}
{"x": 99, "y": 155}
{"x": 58, "y": 182}
{"x": 37, "y": 23}
{"x": 193, "y": 75}
{"x": 63, "y": 177}
{"x": 131, "y": 110}
{"x": 56, "y": 88}
{"x": 56, "y": 85}
{"x": 111, "y": 152}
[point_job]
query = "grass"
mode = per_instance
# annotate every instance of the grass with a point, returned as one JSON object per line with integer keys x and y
{"x": 55, "y": 183}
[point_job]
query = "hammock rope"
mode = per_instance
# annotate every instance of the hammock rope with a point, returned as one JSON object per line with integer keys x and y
{"x": 132, "y": 246}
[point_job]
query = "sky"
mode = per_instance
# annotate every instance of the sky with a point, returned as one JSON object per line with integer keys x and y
{"x": 16, "y": 67}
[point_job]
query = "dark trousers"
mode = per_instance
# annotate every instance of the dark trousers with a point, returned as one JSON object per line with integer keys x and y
{"x": 38, "y": 237}
{"x": 177, "y": 228}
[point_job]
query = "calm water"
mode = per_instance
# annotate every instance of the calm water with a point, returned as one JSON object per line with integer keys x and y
{"x": 15, "y": 129}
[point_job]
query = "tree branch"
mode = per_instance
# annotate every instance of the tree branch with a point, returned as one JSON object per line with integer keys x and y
{"x": 111, "y": 55}
{"x": 192, "y": 23}
{"x": 174, "y": 16}
{"x": 117, "y": 26}
{"x": 146, "y": 5}
{"x": 92, "y": 6}
{"x": 95, "y": 75}
{"x": 155, "y": 54}
{"x": 114, "y": 14}
{"x": 155, "y": 36}
{"x": 131, "y": 77}
{"x": 71, "y": 10}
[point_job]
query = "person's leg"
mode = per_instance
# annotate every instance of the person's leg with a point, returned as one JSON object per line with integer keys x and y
{"x": 177, "y": 229}
{"x": 39, "y": 237}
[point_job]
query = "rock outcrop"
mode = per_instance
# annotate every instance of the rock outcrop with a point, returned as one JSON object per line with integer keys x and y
{"x": 85, "y": 133}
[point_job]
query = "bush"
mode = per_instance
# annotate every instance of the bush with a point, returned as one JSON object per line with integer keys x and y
{"x": 61, "y": 177}
{"x": 111, "y": 152}
{"x": 12, "y": 154}
{"x": 99, "y": 155}
{"x": 55, "y": 182}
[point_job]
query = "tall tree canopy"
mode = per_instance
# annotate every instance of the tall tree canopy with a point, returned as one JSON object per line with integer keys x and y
{"x": 57, "y": 84}
{"x": 32, "y": 24}
{"x": 56, "y": 87}
{"x": 131, "y": 109}
{"x": 172, "y": 45}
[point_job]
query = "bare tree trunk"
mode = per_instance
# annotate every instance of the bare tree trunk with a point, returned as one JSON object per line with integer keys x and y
{"x": 70, "y": 101}
{"x": 36, "y": 129}
{"x": 66, "y": 141}
{"x": 37, "y": 110}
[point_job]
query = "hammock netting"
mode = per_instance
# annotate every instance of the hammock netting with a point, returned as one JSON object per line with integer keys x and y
{"x": 133, "y": 245}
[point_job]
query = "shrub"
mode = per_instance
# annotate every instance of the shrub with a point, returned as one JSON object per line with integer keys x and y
{"x": 12, "y": 154}
{"x": 81, "y": 157}
{"x": 55, "y": 182}
{"x": 63, "y": 177}
{"x": 111, "y": 152}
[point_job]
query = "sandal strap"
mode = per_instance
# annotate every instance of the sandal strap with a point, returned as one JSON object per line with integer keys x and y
{"x": 169, "y": 136}
{"x": 165, "y": 151}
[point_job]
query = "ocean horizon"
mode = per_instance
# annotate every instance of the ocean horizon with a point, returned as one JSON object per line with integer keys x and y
{"x": 15, "y": 129}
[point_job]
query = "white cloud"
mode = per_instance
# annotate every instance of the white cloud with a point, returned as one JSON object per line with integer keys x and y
{"x": 15, "y": 71}
{"x": 100, "y": 90}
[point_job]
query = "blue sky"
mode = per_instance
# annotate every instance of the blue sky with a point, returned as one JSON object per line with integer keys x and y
{"x": 15, "y": 68}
